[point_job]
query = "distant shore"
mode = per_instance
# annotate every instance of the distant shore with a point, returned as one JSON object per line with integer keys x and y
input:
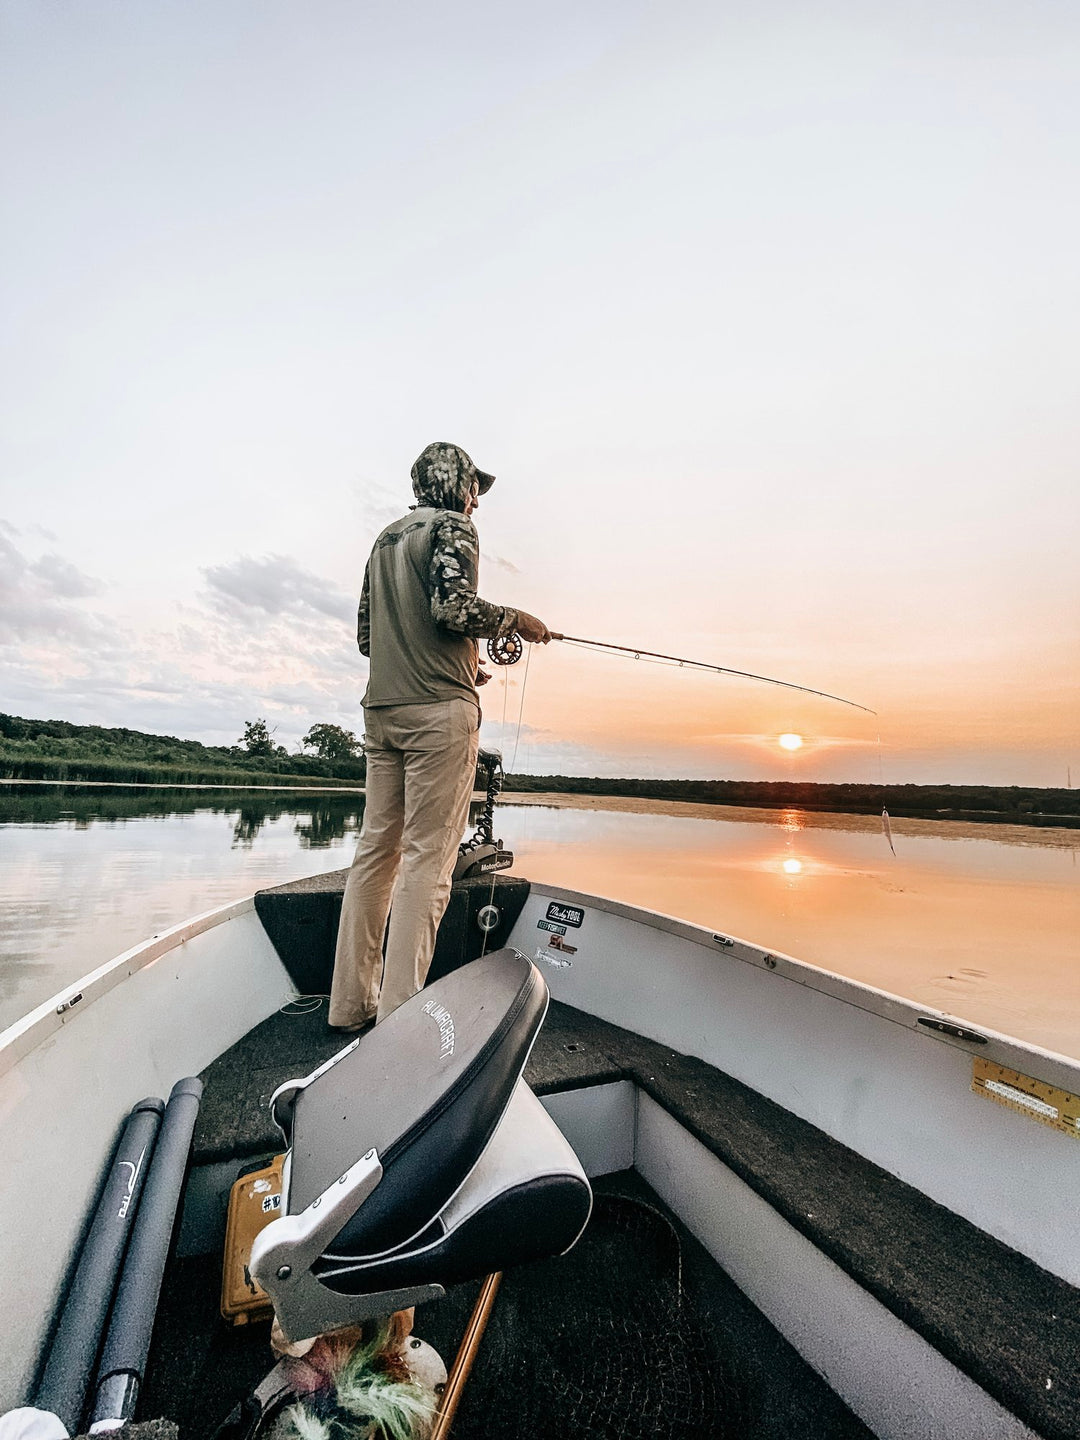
{"x": 987, "y": 804}
{"x": 1014, "y": 832}
{"x": 59, "y": 752}
{"x": 329, "y": 787}
{"x": 963, "y": 804}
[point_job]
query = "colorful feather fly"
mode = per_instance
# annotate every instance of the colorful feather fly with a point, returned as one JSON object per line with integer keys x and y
{"x": 352, "y": 1389}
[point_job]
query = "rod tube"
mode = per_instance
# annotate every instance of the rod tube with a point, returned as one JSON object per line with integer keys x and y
{"x": 127, "y": 1341}
{"x": 70, "y": 1367}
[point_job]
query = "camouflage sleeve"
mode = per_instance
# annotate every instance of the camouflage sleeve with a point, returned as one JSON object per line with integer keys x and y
{"x": 455, "y": 605}
{"x": 363, "y": 619}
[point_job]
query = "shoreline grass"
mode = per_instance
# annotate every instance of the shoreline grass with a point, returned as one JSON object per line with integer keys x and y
{"x": 1015, "y": 804}
{"x": 61, "y": 770}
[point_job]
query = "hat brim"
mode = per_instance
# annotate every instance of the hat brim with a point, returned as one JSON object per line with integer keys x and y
{"x": 484, "y": 481}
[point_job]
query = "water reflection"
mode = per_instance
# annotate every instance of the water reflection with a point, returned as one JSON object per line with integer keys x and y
{"x": 325, "y": 815}
{"x": 982, "y": 921}
{"x": 320, "y": 824}
{"x": 326, "y": 824}
{"x": 249, "y": 821}
{"x": 86, "y": 872}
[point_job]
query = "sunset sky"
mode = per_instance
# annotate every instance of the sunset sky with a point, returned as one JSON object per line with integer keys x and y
{"x": 765, "y": 316}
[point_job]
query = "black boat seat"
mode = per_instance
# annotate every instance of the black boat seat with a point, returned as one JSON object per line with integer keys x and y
{"x": 384, "y": 1136}
{"x": 526, "y": 1199}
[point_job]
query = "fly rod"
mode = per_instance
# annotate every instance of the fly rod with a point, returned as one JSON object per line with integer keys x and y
{"x": 508, "y": 650}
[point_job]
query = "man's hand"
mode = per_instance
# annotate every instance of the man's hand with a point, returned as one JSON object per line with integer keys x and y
{"x": 532, "y": 629}
{"x": 482, "y": 677}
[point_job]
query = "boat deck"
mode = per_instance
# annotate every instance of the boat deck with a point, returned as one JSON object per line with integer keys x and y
{"x": 726, "y": 1371}
{"x": 1004, "y": 1321}
{"x": 555, "y": 1347}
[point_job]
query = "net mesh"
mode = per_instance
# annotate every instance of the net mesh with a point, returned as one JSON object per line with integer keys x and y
{"x": 602, "y": 1342}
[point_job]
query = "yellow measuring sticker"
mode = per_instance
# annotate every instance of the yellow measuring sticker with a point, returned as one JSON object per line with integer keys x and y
{"x": 1034, "y": 1098}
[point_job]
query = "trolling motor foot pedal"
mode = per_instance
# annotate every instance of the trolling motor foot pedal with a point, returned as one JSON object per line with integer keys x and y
{"x": 417, "y": 1157}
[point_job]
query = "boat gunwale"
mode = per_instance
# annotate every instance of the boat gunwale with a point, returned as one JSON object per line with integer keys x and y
{"x": 1056, "y": 1068}
{"x": 51, "y": 1015}
{"x": 72, "y": 1000}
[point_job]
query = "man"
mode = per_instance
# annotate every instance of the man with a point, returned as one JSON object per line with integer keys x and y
{"x": 419, "y": 620}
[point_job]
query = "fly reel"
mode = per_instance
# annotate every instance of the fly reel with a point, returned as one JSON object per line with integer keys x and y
{"x": 505, "y": 649}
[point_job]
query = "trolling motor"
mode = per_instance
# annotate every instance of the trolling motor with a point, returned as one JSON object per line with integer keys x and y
{"x": 483, "y": 854}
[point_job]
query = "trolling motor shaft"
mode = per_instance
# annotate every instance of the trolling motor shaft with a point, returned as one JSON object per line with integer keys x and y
{"x": 482, "y": 854}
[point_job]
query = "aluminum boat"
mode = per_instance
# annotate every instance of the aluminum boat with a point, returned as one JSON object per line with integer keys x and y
{"x": 868, "y": 1206}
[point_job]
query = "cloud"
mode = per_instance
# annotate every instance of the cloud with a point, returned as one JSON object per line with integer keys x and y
{"x": 267, "y": 637}
{"x": 500, "y": 563}
{"x": 155, "y": 686}
{"x": 37, "y": 596}
{"x": 62, "y": 579}
{"x": 275, "y": 585}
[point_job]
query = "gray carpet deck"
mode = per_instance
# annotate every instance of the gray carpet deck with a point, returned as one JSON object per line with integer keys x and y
{"x": 200, "y": 1367}
{"x": 1001, "y": 1319}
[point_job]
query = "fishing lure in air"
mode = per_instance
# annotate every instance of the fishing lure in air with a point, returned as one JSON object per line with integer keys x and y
{"x": 508, "y": 650}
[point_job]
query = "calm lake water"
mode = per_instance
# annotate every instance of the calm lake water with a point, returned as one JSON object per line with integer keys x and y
{"x": 982, "y": 921}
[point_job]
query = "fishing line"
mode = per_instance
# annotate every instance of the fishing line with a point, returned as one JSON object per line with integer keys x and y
{"x": 885, "y": 825}
{"x": 507, "y": 650}
{"x": 302, "y": 1004}
{"x": 513, "y": 761}
{"x": 502, "y": 728}
{"x": 521, "y": 707}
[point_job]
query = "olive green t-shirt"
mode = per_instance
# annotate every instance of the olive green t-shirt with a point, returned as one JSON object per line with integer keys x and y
{"x": 420, "y": 616}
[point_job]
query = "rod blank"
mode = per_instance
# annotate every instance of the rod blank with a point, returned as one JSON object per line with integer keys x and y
{"x": 705, "y": 665}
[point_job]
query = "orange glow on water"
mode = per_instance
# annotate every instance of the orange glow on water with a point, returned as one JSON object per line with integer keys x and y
{"x": 977, "y": 920}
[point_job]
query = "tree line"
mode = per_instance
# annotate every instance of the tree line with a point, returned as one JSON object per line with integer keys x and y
{"x": 331, "y": 755}
{"x": 60, "y": 750}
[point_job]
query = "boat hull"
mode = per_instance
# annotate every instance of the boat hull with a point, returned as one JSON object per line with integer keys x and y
{"x": 854, "y": 1064}
{"x": 69, "y": 1074}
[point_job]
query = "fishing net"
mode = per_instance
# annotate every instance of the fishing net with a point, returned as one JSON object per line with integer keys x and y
{"x": 602, "y": 1343}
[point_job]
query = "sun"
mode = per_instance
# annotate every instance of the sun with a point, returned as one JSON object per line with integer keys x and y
{"x": 791, "y": 742}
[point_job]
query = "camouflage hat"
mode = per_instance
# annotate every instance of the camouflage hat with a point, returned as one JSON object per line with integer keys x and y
{"x": 443, "y": 475}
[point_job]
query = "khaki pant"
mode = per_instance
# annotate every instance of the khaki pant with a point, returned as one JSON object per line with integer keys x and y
{"x": 421, "y": 767}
